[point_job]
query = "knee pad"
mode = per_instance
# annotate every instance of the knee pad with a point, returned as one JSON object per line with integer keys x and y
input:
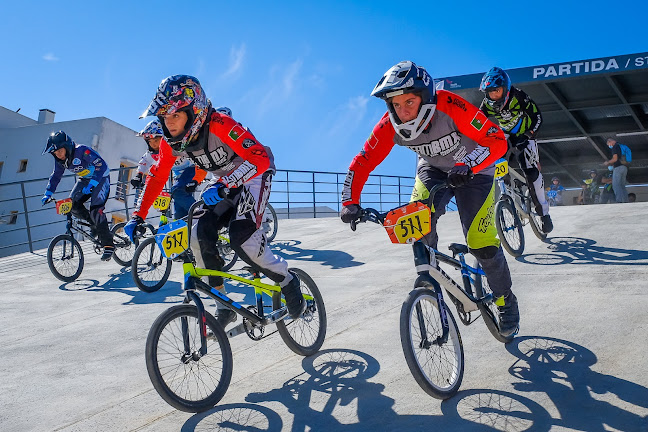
{"x": 532, "y": 174}
{"x": 487, "y": 252}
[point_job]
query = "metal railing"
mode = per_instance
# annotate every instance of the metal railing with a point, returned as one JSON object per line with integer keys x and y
{"x": 25, "y": 225}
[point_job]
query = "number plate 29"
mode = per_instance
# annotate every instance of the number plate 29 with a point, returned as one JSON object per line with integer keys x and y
{"x": 172, "y": 239}
{"x": 64, "y": 206}
{"x": 162, "y": 202}
{"x": 408, "y": 223}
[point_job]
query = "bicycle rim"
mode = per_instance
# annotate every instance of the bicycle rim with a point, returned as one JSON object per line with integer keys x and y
{"x": 509, "y": 228}
{"x": 270, "y": 223}
{"x": 124, "y": 248}
{"x": 150, "y": 269}
{"x": 65, "y": 258}
{"x": 437, "y": 368}
{"x": 183, "y": 378}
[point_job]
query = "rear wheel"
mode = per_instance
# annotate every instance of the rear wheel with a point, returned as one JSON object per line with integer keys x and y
{"x": 124, "y": 247}
{"x": 270, "y": 223}
{"x": 436, "y": 366}
{"x": 186, "y": 379}
{"x": 150, "y": 269}
{"x": 489, "y": 311}
{"x": 535, "y": 220}
{"x": 65, "y": 258}
{"x": 305, "y": 335}
{"x": 509, "y": 227}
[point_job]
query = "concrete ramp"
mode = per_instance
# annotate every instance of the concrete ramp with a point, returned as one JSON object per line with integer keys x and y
{"x": 72, "y": 354}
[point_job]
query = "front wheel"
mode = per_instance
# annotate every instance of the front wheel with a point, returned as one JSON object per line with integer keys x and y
{"x": 124, "y": 247}
{"x": 270, "y": 223}
{"x": 306, "y": 334}
{"x": 489, "y": 311}
{"x": 186, "y": 379}
{"x": 437, "y": 366}
{"x": 65, "y": 258}
{"x": 509, "y": 228}
{"x": 150, "y": 269}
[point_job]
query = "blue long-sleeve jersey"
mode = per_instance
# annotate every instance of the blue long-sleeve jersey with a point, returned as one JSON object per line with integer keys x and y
{"x": 85, "y": 162}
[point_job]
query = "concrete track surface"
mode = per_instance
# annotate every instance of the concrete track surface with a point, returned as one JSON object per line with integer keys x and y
{"x": 72, "y": 354}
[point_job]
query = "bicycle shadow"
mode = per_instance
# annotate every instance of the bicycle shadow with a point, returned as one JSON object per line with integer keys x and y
{"x": 240, "y": 416}
{"x": 335, "y": 259}
{"x": 576, "y": 250}
{"x": 563, "y": 371}
{"x": 122, "y": 282}
{"x": 334, "y": 389}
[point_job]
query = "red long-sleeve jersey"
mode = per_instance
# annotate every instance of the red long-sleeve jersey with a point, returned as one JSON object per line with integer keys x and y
{"x": 459, "y": 133}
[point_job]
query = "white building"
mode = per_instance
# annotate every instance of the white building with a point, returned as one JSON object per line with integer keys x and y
{"x": 24, "y": 173}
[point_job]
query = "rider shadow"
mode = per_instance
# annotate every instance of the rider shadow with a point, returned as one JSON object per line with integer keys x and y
{"x": 335, "y": 388}
{"x": 566, "y": 250}
{"x": 289, "y": 250}
{"x": 563, "y": 371}
{"x": 122, "y": 282}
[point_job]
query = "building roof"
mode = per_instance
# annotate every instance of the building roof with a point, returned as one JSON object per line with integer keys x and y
{"x": 582, "y": 103}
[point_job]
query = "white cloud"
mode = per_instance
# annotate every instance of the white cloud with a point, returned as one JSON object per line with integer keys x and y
{"x": 282, "y": 85}
{"x": 348, "y": 116}
{"x": 237, "y": 55}
{"x": 50, "y": 57}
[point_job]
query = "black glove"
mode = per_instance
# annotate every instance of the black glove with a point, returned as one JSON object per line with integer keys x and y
{"x": 519, "y": 141}
{"x": 459, "y": 175}
{"x": 137, "y": 181}
{"x": 350, "y": 213}
{"x": 191, "y": 186}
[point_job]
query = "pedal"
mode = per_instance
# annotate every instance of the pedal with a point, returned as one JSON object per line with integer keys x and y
{"x": 236, "y": 330}
{"x": 275, "y": 316}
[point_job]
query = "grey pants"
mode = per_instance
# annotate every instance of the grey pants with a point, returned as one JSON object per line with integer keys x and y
{"x": 619, "y": 183}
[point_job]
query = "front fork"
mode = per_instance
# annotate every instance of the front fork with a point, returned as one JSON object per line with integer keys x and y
{"x": 424, "y": 280}
{"x": 191, "y": 296}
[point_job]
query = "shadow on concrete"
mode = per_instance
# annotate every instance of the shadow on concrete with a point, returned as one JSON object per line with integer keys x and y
{"x": 575, "y": 250}
{"x": 563, "y": 371}
{"x": 335, "y": 259}
{"x": 122, "y": 282}
{"x": 339, "y": 378}
{"x": 235, "y": 417}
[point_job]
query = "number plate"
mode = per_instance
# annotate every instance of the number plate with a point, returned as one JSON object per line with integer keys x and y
{"x": 408, "y": 223}
{"x": 162, "y": 202}
{"x": 64, "y": 206}
{"x": 501, "y": 168}
{"x": 172, "y": 239}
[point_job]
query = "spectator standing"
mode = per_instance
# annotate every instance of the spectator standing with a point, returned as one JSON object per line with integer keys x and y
{"x": 619, "y": 171}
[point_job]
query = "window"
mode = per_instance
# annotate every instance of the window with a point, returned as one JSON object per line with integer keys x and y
{"x": 1, "y": 165}
{"x": 13, "y": 217}
{"x": 23, "y": 165}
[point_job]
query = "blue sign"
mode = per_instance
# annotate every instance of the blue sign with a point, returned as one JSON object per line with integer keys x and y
{"x": 555, "y": 71}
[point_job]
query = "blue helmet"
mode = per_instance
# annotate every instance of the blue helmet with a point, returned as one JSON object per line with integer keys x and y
{"x": 406, "y": 77}
{"x": 59, "y": 140}
{"x": 224, "y": 110}
{"x": 494, "y": 78}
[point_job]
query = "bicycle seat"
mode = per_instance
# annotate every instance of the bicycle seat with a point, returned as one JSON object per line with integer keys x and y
{"x": 457, "y": 248}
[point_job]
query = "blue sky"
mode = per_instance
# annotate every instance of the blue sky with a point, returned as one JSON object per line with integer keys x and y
{"x": 299, "y": 74}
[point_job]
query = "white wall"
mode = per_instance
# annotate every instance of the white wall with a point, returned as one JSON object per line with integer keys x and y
{"x": 26, "y": 140}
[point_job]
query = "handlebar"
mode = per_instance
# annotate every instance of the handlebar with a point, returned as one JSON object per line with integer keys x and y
{"x": 372, "y": 215}
{"x": 223, "y": 193}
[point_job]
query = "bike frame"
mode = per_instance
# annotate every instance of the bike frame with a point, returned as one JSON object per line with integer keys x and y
{"x": 519, "y": 200}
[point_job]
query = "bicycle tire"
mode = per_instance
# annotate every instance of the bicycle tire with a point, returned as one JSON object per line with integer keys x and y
{"x": 69, "y": 246}
{"x": 428, "y": 366}
{"x": 205, "y": 378}
{"x": 270, "y": 223}
{"x": 225, "y": 250}
{"x": 536, "y": 226}
{"x": 509, "y": 228}
{"x": 150, "y": 269}
{"x": 489, "y": 312}
{"x": 124, "y": 247}
{"x": 305, "y": 335}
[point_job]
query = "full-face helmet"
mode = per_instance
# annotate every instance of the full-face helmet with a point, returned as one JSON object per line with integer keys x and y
{"x": 59, "y": 140}
{"x": 406, "y": 77}
{"x": 180, "y": 93}
{"x": 494, "y": 78}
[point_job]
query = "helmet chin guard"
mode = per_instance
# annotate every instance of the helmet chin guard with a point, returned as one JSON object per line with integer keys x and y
{"x": 413, "y": 128}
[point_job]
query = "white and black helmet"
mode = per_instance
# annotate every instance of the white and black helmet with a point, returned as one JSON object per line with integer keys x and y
{"x": 406, "y": 77}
